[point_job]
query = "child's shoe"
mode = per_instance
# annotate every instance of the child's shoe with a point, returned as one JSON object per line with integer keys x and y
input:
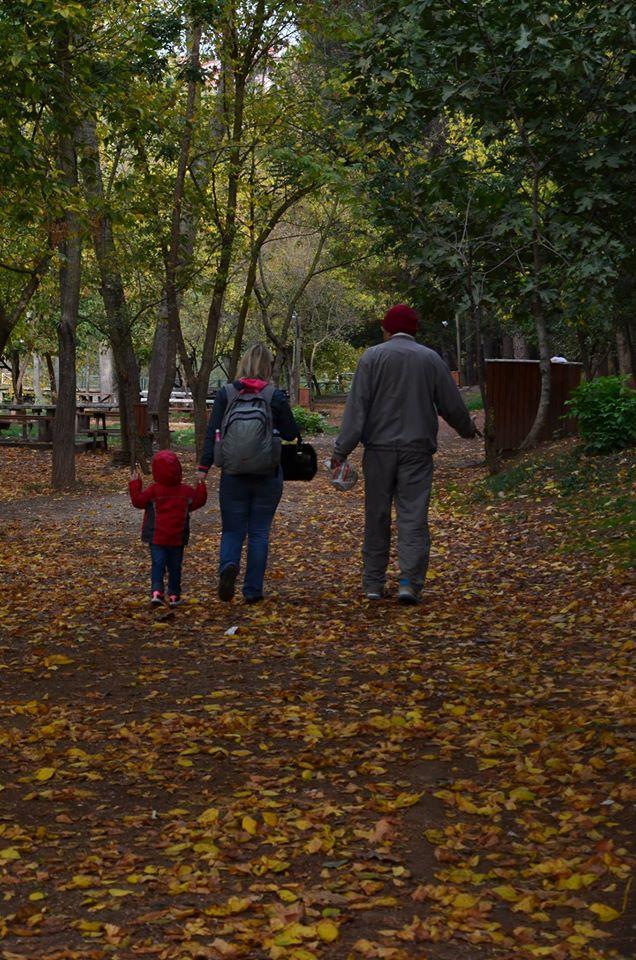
{"x": 174, "y": 600}
{"x": 157, "y": 598}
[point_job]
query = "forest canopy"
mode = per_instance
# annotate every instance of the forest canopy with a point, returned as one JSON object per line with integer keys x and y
{"x": 181, "y": 179}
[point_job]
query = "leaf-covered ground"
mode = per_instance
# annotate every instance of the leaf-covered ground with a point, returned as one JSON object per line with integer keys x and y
{"x": 327, "y": 779}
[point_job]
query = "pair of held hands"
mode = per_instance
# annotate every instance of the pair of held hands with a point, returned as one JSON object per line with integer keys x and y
{"x": 336, "y": 463}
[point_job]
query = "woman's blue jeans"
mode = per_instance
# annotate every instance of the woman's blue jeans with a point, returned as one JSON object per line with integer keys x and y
{"x": 248, "y": 505}
{"x": 170, "y": 559}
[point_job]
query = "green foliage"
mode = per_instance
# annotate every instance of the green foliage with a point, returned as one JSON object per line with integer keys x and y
{"x": 309, "y": 422}
{"x": 606, "y": 412}
{"x": 475, "y": 403}
{"x": 183, "y": 438}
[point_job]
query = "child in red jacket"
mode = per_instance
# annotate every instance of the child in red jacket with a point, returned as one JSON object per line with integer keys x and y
{"x": 166, "y": 526}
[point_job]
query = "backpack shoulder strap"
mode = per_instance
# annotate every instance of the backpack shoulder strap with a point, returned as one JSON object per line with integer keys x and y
{"x": 267, "y": 393}
{"x": 231, "y": 393}
{"x": 231, "y": 396}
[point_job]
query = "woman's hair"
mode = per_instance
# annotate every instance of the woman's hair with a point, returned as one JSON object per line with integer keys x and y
{"x": 256, "y": 364}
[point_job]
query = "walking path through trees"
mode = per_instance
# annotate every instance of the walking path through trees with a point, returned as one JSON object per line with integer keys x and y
{"x": 316, "y": 777}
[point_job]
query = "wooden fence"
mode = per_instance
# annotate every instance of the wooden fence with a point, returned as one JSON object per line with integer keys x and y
{"x": 513, "y": 388}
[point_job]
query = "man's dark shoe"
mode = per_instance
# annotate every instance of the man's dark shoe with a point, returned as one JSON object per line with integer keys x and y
{"x": 227, "y": 582}
{"x": 407, "y": 594}
{"x": 256, "y": 599}
{"x": 374, "y": 594}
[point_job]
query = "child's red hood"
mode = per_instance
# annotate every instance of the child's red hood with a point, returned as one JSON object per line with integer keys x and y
{"x": 253, "y": 386}
{"x": 166, "y": 468}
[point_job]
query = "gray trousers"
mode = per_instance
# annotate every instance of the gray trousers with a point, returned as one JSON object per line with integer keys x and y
{"x": 406, "y": 477}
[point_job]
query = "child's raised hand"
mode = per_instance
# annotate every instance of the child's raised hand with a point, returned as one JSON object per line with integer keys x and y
{"x": 135, "y": 473}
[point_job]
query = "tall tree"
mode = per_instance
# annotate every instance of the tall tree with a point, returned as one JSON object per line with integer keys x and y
{"x": 538, "y": 84}
{"x": 70, "y": 256}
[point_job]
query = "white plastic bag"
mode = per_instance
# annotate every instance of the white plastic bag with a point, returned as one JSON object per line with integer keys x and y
{"x": 342, "y": 477}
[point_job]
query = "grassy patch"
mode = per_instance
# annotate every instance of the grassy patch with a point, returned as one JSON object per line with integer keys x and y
{"x": 588, "y": 497}
{"x": 475, "y": 402}
{"x": 183, "y": 437}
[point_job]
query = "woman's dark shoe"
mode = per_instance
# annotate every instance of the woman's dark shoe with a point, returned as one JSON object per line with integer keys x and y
{"x": 257, "y": 599}
{"x": 227, "y": 581}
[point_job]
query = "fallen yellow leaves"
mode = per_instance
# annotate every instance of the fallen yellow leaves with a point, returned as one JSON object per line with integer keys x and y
{"x": 304, "y": 787}
{"x": 45, "y": 773}
{"x": 604, "y": 913}
{"x": 9, "y": 853}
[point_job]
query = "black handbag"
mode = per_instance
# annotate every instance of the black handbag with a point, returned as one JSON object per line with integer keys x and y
{"x": 299, "y": 461}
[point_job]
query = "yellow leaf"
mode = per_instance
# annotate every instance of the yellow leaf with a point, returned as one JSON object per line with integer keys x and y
{"x": 250, "y": 825}
{"x": 576, "y": 881}
{"x": 81, "y": 880}
{"x": 45, "y": 773}
{"x": 294, "y": 934}
{"x": 522, "y": 793}
{"x": 455, "y": 710}
{"x": 327, "y": 931}
{"x": 88, "y": 926}
{"x": 604, "y": 913}
{"x": 211, "y": 815}
{"x": 287, "y": 896}
{"x": 57, "y": 660}
{"x": 9, "y": 853}
{"x": 206, "y": 846}
{"x": 37, "y": 895}
{"x": 507, "y": 893}
{"x": 117, "y": 892}
{"x": 271, "y": 819}
{"x": 464, "y": 901}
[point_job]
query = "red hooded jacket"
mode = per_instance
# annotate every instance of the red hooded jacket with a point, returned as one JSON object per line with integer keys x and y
{"x": 167, "y": 502}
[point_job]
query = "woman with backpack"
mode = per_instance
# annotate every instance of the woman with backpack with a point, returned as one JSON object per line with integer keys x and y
{"x": 243, "y": 438}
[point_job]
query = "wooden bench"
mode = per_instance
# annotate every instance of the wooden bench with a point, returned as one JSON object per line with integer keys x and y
{"x": 44, "y": 424}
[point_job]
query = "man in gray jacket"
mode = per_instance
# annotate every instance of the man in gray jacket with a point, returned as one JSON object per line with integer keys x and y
{"x": 397, "y": 391}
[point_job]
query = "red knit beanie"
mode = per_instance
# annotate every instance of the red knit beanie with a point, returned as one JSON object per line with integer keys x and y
{"x": 400, "y": 319}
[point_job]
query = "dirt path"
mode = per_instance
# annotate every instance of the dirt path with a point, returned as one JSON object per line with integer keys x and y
{"x": 313, "y": 777}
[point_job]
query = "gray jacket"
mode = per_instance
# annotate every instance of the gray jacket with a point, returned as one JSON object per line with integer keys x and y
{"x": 397, "y": 391}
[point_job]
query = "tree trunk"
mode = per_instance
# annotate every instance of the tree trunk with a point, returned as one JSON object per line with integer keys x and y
{"x": 17, "y": 376}
{"x": 10, "y": 317}
{"x": 177, "y": 252}
{"x": 538, "y": 314}
{"x": 70, "y": 254}
{"x": 107, "y": 386}
{"x": 64, "y": 423}
{"x": 37, "y": 378}
{"x": 490, "y": 450}
{"x": 520, "y": 349}
{"x": 113, "y": 295}
{"x": 159, "y": 414}
{"x": 624, "y": 353}
{"x": 52, "y": 378}
{"x": 507, "y": 348}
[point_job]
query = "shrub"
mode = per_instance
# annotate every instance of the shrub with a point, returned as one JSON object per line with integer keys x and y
{"x": 606, "y": 411}
{"x": 309, "y": 422}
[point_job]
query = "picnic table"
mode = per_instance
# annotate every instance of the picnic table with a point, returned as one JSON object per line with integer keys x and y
{"x": 28, "y": 415}
{"x": 90, "y": 422}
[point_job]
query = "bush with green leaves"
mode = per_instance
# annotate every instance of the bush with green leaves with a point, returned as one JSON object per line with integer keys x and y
{"x": 309, "y": 422}
{"x": 606, "y": 412}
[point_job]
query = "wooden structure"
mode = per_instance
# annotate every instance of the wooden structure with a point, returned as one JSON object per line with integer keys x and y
{"x": 513, "y": 388}
{"x": 36, "y": 425}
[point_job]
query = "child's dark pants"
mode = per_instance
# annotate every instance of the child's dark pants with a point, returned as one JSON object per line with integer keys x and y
{"x": 170, "y": 559}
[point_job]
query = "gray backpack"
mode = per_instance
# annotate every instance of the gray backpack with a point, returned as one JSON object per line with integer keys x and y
{"x": 248, "y": 444}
